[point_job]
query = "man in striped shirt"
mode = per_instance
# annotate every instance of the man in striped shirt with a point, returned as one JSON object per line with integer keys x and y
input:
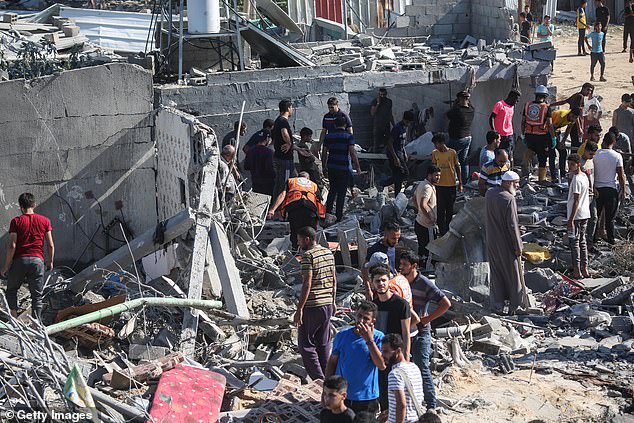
{"x": 491, "y": 173}
{"x": 316, "y": 303}
{"x": 403, "y": 405}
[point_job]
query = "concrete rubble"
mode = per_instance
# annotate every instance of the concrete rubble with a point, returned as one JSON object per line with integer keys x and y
{"x": 207, "y": 289}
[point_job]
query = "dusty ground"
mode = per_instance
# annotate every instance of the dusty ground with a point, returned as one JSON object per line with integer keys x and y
{"x": 572, "y": 71}
{"x": 511, "y": 398}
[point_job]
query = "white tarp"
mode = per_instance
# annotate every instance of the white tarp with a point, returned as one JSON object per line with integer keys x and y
{"x": 121, "y": 31}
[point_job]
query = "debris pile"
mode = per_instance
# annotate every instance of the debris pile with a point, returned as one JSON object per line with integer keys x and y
{"x": 365, "y": 53}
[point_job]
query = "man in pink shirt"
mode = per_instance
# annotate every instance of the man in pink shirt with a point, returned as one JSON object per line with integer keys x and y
{"x": 25, "y": 255}
{"x": 501, "y": 120}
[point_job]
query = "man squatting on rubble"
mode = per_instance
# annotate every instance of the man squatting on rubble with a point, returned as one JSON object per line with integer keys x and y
{"x": 25, "y": 255}
{"x": 504, "y": 243}
{"x": 300, "y": 204}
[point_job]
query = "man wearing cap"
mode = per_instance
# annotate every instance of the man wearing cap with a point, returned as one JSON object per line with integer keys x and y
{"x": 259, "y": 161}
{"x": 491, "y": 173}
{"x": 387, "y": 245}
{"x": 537, "y": 127}
{"x": 504, "y": 244}
{"x": 460, "y": 118}
{"x": 501, "y": 120}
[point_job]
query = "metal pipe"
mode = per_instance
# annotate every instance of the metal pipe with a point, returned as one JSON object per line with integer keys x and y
{"x": 238, "y": 38}
{"x": 131, "y": 305}
{"x": 180, "y": 42}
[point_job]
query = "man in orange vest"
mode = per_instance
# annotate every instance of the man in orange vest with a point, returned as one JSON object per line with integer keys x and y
{"x": 538, "y": 130}
{"x": 300, "y": 204}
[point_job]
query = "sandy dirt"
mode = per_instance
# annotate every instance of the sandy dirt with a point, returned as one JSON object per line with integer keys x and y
{"x": 572, "y": 71}
{"x": 488, "y": 397}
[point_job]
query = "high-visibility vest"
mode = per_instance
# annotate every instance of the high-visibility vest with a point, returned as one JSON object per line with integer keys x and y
{"x": 302, "y": 188}
{"x": 535, "y": 117}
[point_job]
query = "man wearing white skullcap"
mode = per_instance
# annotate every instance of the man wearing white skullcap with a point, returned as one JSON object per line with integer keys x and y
{"x": 504, "y": 244}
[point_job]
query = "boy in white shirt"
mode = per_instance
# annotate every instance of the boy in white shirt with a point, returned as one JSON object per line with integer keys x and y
{"x": 578, "y": 215}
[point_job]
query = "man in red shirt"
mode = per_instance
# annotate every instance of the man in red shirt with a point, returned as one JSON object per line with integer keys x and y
{"x": 501, "y": 120}
{"x": 25, "y": 254}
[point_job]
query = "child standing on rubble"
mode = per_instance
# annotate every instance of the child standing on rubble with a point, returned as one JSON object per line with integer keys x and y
{"x": 447, "y": 160}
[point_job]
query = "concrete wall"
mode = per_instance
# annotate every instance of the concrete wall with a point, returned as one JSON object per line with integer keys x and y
{"x": 448, "y": 19}
{"x": 310, "y": 88}
{"x": 491, "y": 19}
{"x": 81, "y": 134}
{"x": 454, "y": 19}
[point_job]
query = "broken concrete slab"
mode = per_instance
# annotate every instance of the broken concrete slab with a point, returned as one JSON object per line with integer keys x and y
{"x": 146, "y": 352}
{"x": 141, "y": 246}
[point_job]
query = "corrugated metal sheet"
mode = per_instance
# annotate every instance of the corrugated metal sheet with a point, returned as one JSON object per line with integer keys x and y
{"x": 120, "y": 31}
{"x": 329, "y": 9}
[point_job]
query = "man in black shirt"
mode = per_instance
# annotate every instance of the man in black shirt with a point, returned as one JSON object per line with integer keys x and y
{"x": 232, "y": 136}
{"x": 602, "y": 14}
{"x": 525, "y": 29}
{"x": 259, "y": 136}
{"x": 460, "y": 119}
{"x": 393, "y": 317}
{"x": 282, "y": 136}
{"x": 332, "y": 398}
{"x": 381, "y": 112}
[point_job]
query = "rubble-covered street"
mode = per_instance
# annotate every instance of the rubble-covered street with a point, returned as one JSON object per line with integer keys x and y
{"x": 174, "y": 292}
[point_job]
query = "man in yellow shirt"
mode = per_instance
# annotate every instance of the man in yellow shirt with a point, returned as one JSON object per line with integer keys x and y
{"x": 565, "y": 118}
{"x": 582, "y": 25}
{"x": 447, "y": 160}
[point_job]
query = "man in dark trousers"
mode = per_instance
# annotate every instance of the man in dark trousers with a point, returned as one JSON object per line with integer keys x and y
{"x": 25, "y": 255}
{"x": 424, "y": 291}
{"x": 383, "y": 119}
{"x": 395, "y": 151}
{"x": 460, "y": 118}
{"x": 316, "y": 303}
{"x": 504, "y": 244}
{"x": 577, "y": 101}
{"x": 328, "y": 122}
{"x": 338, "y": 155}
{"x": 300, "y": 204}
{"x": 393, "y": 317}
{"x": 538, "y": 130}
{"x": 282, "y": 136}
{"x": 602, "y": 14}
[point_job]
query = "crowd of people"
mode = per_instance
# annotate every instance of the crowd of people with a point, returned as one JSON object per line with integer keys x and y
{"x": 380, "y": 366}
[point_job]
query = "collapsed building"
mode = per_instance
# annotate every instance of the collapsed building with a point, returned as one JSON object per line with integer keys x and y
{"x": 156, "y": 280}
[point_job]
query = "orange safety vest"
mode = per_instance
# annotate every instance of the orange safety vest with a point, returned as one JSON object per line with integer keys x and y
{"x": 535, "y": 117}
{"x": 298, "y": 188}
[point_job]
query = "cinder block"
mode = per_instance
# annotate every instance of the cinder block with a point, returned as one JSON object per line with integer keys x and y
{"x": 416, "y": 10}
{"x": 462, "y": 7}
{"x": 426, "y": 20}
{"x": 548, "y": 55}
{"x": 448, "y": 19}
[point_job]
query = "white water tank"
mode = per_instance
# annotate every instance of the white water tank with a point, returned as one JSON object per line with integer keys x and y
{"x": 203, "y": 16}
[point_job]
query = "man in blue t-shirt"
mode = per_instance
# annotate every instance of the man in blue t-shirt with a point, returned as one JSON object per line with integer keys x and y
{"x": 395, "y": 151}
{"x": 596, "y": 51}
{"x": 337, "y": 156}
{"x": 356, "y": 356}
